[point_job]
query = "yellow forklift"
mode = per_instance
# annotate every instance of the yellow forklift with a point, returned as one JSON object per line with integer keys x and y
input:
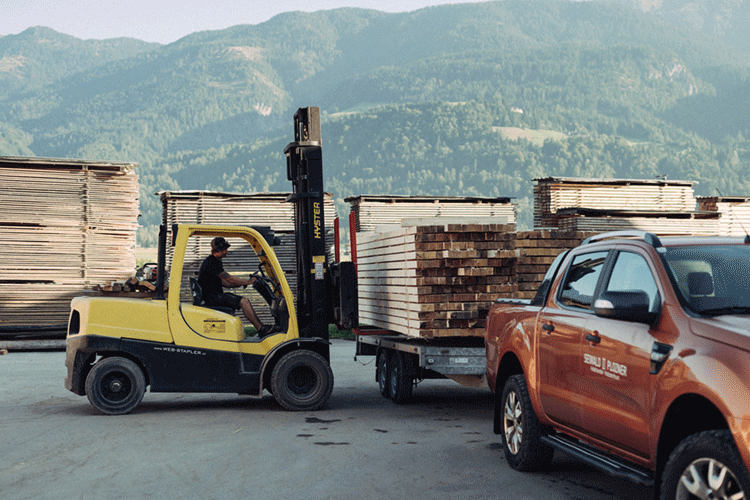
{"x": 117, "y": 347}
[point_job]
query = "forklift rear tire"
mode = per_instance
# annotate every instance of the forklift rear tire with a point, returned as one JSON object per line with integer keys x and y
{"x": 115, "y": 385}
{"x": 302, "y": 381}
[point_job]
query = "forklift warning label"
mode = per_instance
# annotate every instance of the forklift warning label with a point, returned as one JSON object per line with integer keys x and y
{"x": 214, "y": 326}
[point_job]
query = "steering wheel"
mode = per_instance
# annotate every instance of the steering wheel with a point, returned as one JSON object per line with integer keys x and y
{"x": 264, "y": 285}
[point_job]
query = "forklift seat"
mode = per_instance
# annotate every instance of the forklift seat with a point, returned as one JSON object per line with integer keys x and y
{"x": 280, "y": 314}
{"x": 197, "y": 292}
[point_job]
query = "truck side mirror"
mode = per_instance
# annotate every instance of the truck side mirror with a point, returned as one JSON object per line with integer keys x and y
{"x": 627, "y": 305}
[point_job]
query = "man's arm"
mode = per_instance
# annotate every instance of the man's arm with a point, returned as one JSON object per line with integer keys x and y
{"x": 230, "y": 281}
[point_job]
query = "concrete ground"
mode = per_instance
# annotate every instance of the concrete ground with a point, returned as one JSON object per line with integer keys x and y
{"x": 54, "y": 445}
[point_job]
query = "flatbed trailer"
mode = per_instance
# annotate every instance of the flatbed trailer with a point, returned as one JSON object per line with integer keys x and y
{"x": 402, "y": 361}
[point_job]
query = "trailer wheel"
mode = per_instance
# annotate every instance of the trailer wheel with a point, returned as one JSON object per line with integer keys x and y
{"x": 400, "y": 377}
{"x": 302, "y": 380}
{"x": 115, "y": 385}
{"x": 521, "y": 429}
{"x": 384, "y": 363}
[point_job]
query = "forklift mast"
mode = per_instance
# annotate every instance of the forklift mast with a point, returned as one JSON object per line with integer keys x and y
{"x": 304, "y": 168}
{"x": 324, "y": 295}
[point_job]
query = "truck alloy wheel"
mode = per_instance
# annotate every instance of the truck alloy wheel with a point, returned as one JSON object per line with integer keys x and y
{"x": 115, "y": 385}
{"x": 521, "y": 430}
{"x": 302, "y": 381}
{"x": 706, "y": 465}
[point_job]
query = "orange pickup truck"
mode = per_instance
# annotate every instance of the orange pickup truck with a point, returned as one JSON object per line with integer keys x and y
{"x": 634, "y": 356}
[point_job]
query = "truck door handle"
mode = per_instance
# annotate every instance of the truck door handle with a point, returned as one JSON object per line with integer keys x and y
{"x": 593, "y": 338}
{"x": 548, "y": 327}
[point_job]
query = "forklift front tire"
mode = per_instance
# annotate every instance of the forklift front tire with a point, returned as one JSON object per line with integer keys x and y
{"x": 115, "y": 385}
{"x": 302, "y": 380}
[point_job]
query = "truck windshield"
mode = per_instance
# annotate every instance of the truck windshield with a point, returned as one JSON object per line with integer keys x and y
{"x": 711, "y": 280}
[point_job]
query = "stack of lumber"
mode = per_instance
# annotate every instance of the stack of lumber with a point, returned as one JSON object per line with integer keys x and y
{"x": 68, "y": 226}
{"x": 238, "y": 209}
{"x": 372, "y": 212}
{"x": 436, "y": 280}
{"x": 553, "y": 194}
{"x": 734, "y": 210}
{"x": 661, "y": 223}
{"x": 536, "y": 250}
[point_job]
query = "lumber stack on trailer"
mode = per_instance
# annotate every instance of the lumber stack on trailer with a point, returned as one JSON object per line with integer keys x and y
{"x": 68, "y": 226}
{"x": 435, "y": 280}
{"x": 536, "y": 250}
{"x": 734, "y": 210}
{"x": 554, "y": 194}
{"x": 372, "y": 212}
{"x": 238, "y": 209}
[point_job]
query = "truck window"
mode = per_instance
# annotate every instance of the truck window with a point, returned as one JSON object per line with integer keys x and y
{"x": 631, "y": 273}
{"x": 711, "y": 279}
{"x": 580, "y": 281}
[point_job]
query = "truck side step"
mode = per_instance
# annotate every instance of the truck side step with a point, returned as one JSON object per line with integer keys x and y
{"x": 600, "y": 460}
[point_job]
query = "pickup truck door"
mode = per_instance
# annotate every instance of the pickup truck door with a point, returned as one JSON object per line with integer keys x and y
{"x": 561, "y": 329}
{"x": 616, "y": 355}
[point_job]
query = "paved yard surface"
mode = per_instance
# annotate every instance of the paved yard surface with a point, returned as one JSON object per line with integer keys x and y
{"x": 54, "y": 445}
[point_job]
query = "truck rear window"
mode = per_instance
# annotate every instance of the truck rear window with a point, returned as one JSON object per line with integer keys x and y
{"x": 711, "y": 279}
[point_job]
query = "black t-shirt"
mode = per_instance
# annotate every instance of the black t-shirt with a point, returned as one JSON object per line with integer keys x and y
{"x": 208, "y": 278}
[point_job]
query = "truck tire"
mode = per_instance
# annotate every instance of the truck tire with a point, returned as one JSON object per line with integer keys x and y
{"x": 302, "y": 380}
{"x": 400, "y": 377}
{"x": 705, "y": 465}
{"x": 115, "y": 385}
{"x": 521, "y": 430}
{"x": 384, "y": 363}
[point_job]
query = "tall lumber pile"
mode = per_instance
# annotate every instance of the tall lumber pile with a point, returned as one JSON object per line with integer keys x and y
{"x": 436, "y": 280}
{"x": 734, "y": 211}
{"x": 238, "y": 209}
{"x": 67, "y": 226}
{"x": 659, "y": 206}
{"x": 372, "y": 212}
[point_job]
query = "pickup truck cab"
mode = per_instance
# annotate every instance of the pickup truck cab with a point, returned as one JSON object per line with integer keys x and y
{"x": 635, "y": 357}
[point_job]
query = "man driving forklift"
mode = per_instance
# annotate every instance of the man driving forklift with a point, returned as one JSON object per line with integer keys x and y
{"x": 212, "y": 278}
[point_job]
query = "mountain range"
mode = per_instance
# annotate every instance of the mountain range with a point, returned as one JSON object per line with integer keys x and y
{"x": 465, "y": 100}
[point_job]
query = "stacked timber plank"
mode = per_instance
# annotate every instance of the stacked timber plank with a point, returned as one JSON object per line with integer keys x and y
{"x": 734, "y": 210}
{"x": 238, "y": 209}
{"x": 661, "y": 223}
{"x": 372, "y": 212}
{"x": 554, "y": 194}
{"x": 67, "y": 226}
{"x": 658, "y": 206}
{"x": 436, "y": 280}
{"x": 535, "y": 251}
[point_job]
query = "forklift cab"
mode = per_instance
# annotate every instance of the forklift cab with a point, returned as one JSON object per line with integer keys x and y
{"x": 252, "y": 254}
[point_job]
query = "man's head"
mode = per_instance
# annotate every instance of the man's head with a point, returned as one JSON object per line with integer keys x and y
{"x": 219, "y": 246}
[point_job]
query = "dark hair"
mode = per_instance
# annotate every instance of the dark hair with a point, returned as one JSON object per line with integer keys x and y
{"x": 218, "y": 244}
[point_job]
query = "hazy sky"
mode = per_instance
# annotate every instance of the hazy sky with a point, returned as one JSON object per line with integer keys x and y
{"x": 165, "y": 21}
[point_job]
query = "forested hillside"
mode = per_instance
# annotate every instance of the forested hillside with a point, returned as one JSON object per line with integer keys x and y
{"x": 428, "y": 102}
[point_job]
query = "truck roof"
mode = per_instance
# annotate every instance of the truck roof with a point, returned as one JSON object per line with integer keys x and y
{"x": 666, "y": 241}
